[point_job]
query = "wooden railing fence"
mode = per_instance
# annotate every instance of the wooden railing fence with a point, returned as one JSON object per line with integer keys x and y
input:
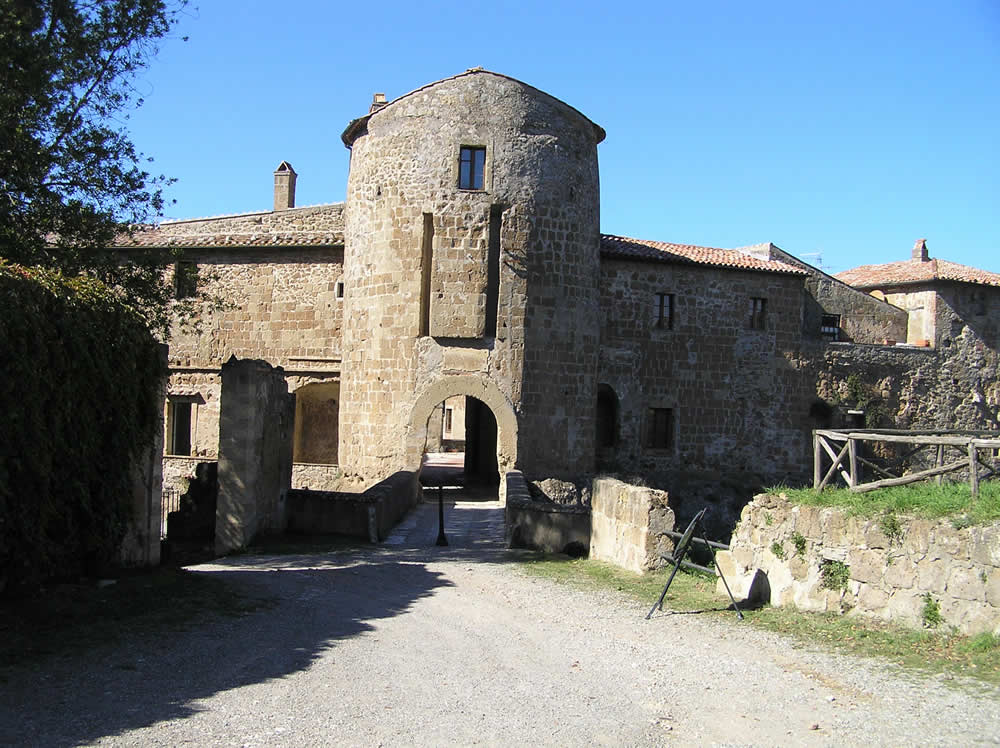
{"x": 975, "y": 451}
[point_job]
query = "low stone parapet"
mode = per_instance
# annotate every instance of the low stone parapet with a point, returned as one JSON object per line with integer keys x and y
{"x": 907, "y": 570}
{"x": 369, "y": 515}
{"x": 629, "y": 525}
{"x": 543, "y": 525}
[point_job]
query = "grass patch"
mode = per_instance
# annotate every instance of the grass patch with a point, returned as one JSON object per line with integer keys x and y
{"x": 920, "y": 499}
{"x": 927, "y": 651}
{"x": 70, "y": 617}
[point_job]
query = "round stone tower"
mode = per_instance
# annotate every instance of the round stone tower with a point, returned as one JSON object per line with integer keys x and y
{"x": 471, "y": 268}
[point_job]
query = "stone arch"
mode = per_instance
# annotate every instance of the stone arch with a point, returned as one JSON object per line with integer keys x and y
{"x": 470, "y": 386}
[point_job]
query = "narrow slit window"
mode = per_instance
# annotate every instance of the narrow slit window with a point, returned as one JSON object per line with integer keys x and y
{"x": 426, "y": 264}
{"x": 758, "y": 313}
{"x": 471, "y": 167}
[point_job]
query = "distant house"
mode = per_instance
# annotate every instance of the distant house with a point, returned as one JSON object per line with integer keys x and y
{"x": 943, "y": 300}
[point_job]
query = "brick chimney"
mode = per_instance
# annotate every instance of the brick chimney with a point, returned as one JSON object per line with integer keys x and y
{"x": 378, "y": 101}
{"x": 920, "y": 251}
{"x": 284, "y": 186}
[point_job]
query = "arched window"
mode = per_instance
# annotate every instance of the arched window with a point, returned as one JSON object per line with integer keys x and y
{"x": 607, "y": 417}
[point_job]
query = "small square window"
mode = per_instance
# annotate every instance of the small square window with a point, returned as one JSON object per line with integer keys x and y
{"x": 471, "y": 167}
{"x": 829, "y": 326}
{"x": 660, "y": 428}
{"x": 185, "y": 280}
{"x": 758, "y": 313}
{"x": 663, "y": 312}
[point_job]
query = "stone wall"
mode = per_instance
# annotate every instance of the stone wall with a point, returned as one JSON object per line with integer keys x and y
{"x": 821, "y": 559}
{"x": 280, "y": 304}
{"x": 909, "y": 387}
{"x": 543, "y": 525}
{"x": 177, "y": 471}
{"x": 370, "y": 515}
{"x": 628, "y": 525}
{"x": 315, "y": 477}
{"x": 727, "y": 385}
{"x": 255, "y": 453}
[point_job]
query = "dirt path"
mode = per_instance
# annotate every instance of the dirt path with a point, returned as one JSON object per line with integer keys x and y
{"x": 415, "y": 645}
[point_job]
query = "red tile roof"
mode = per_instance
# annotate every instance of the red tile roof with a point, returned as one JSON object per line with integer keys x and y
{"x": 909, "y": 272}
{"x": 624, "y": 248}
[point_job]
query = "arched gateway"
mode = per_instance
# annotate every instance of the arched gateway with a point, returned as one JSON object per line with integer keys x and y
{"x": 480, "y": 389}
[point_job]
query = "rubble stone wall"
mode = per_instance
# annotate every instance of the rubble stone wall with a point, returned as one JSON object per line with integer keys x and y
{"x": 821, "y": 559}
{"x": 628, "y": 525}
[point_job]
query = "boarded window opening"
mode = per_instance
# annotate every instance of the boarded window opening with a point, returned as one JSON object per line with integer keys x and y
{"x": 426, "y": 259}
{"x": 660, "y": 428}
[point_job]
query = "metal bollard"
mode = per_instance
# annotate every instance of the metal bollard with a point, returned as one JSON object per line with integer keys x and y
{"x": 442, "y": 540}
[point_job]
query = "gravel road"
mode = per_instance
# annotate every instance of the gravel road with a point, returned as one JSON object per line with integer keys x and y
{"x": 408, "y": 644}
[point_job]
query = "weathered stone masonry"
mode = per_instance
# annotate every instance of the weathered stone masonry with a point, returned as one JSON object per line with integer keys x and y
{"x": 436, "y": 280}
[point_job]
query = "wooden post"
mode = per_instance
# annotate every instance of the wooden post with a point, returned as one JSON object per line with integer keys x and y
{"x": 853, "y": 456}
{"x": 939, "y": 462}
{"x": 974, "y": 469}
{"x": 817, "y": 456}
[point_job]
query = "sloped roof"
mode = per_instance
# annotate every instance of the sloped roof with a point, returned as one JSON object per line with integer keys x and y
{"x": 309, "y": 226}
{"x": 625, "y": 248}
{"x": 909, "y": 272}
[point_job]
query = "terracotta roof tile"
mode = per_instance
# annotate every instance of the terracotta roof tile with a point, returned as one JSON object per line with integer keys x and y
{"x": 909, "y": 272}
{"x": 620, "y": 247}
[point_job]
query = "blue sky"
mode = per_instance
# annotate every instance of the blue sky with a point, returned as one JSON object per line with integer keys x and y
{"x": 848, "y": 129}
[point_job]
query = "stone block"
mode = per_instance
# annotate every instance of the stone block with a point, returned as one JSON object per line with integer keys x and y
{"x": 932, "y": 575}
{"x": 872, "y": 599}
{"x": 867, "y": 566}
{"x": 965, "y": 583}
{"x": 918, "y": 536}
{"x": 992, "y": 587}
{"x": 986, "y": 546}
{"x": 901, "y": 573}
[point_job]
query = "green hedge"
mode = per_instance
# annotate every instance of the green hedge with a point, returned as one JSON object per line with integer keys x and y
{"x": 79, "y": 377}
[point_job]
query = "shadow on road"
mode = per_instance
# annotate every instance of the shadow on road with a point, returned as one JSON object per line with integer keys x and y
{"x": 147, "y": 678}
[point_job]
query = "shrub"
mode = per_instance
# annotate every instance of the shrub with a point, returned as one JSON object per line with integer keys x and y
{"x": 79, "y": 377}
{"x": 834, "y": 575}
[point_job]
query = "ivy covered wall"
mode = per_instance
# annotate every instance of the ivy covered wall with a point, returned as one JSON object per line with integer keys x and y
{"x": 79, "y": 382}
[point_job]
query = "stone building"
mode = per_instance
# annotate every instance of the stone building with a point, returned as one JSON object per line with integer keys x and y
{"x": 467, "y": 264}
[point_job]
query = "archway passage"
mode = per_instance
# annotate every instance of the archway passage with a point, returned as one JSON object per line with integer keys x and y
{"x": 460, "y": 450}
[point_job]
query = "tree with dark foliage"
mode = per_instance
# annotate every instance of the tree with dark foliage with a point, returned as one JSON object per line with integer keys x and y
{"x": 71, "y": 180}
